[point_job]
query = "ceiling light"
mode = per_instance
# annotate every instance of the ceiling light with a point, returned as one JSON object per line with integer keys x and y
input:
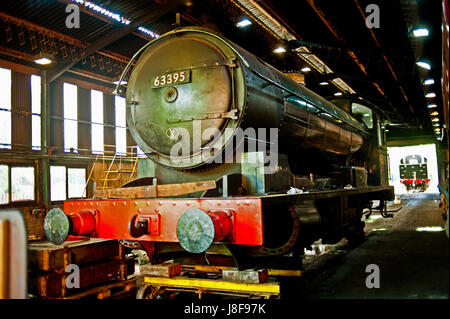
{"x": 243, "y": 23}
{"x": 148, "y": 32}
{"x": 430, "y": 106}
{"x": 279, "y": 50}
{"x": 43, "y": 61}
{"x": 430, "y": 95}
{"x": 323, "y": 83}
{"x": 424, "y": 65}
{"x": 116, "y": 16}
{"x": 104, "y": 11}
{"x": 421, "y": 32}
{"x": 435, "y": 119}
{"x": 306, "y": 69}
{"x": 434, "y": 113}
{"x": 428, "y": 82}
{"x": 338, "y": 94}
{"x": 43, "y": 58}
{"x": 121, "y": 83}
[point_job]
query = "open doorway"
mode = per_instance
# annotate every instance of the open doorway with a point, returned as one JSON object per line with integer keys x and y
{"x": 413, "y": 169}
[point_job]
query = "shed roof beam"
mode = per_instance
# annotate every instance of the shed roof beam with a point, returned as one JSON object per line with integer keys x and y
{"x": 60, "y": 36}
{"x": 352, "y": 54}
{"x": 384, "y": 56}
{"x": 271, "y": 24}
{"x": 116, "y": 35}
{"x": 100, "y": 17}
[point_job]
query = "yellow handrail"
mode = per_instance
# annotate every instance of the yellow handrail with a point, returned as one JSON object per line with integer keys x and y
{"x": 107, "y": 173}
{"x": 108, "y": 158}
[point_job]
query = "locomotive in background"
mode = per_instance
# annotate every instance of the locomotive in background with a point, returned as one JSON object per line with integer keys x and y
{"x": 261, "y": 134}
{"x": 414, "y": 173}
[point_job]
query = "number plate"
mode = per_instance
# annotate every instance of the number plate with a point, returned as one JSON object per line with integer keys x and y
{"x": 172, "y": 78}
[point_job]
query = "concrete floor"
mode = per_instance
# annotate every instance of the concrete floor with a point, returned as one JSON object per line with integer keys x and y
{"x": 412, "y": 264}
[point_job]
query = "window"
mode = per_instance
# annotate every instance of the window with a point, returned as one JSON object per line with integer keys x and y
{"x": 97, "y": 121}
{"x": 121, "y": 126}
{"x": 139, "y": 152}
{"x": 22, "y": 183}
{"x": 363, "y": 113}
{"x": 414, "y": 160}
{"x": 77, "y": 182}
{"x": 36, "y": 112}
{"x": 343, "y": 104}
{"x": 70, "y": 117}
{"x": 5, "y": 109}
{"x": 16, "y": 183}
{"x": 57, "y": 183}
{"x": 4, "y": 184}
{"x": 67, "y": 182}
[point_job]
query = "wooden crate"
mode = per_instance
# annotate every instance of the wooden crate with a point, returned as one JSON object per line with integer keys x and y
{"x": 99, "y": 261}
{"x": 52, "y": 284}
{"x": 45, "y": 256}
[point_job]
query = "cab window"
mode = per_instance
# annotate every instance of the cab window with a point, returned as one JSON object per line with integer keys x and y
{"x": 343, "y": 104}
{"x": 363, "y": 113}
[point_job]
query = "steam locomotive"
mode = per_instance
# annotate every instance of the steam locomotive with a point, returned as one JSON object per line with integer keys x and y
{"x": 414, "y": 172}
{"x": 288, "y": 167}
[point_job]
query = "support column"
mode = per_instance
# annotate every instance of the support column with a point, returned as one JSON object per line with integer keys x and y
{"x": 45, "y": 128}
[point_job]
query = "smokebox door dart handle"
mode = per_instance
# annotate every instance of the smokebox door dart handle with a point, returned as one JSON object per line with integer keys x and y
{"x": 137, "y": 229}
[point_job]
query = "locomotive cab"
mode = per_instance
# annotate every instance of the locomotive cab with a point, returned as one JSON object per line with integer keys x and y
{"x": 375, "y": 120}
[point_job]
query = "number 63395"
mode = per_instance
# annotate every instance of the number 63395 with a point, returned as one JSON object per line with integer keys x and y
{"x": 171, "y": 78}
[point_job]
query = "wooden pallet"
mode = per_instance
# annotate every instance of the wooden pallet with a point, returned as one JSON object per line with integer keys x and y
{"x": 112, "y": 290}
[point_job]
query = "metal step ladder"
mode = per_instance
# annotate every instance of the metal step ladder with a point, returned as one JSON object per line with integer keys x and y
{"x": 112, "y": 174}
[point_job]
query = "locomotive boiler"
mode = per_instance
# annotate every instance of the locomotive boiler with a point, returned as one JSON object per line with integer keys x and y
{"x": 204, "y": 109}
{"x": 192, "y": 75}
